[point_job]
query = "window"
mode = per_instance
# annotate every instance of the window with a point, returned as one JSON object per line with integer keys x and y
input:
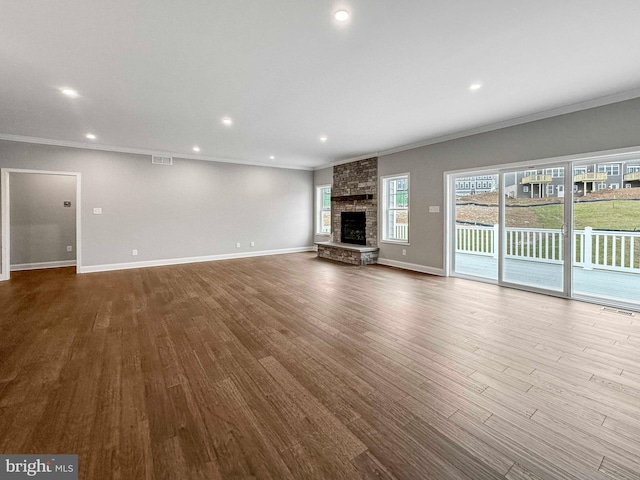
{"x": 610, "y": 169}
{"x": 395, "y": 208}
{"x": 627, "y": 185}
{"x": 633, "y": 168}
{"x": 555, "y": 172}
{"x": 614, "y": 186}
{"x": 323, "y": 205}
{"x": 601, "y": 186}
{"x": 550, "y": 189}
{"x": 579, "y": 170}
{"x": 525, "y": 189}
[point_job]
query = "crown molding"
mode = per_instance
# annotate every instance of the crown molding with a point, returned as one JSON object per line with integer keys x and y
{"x": 139, "y": 151}
{"x": 554, "y": 112}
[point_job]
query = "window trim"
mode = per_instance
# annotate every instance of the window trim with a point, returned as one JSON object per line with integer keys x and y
{"x": 383, "y": 211}
{"x": 604, "y": 167}
{"x": 318, "y": 222}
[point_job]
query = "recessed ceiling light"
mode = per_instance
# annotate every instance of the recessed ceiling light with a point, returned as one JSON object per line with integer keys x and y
{"x": 323, "y": 138}
{"x": 69, "y": 92}
{"x": 272, "y": 157}
{"x": 341, "y": 15}
{"x": 90, "y": 136}
{"x": 196, "y": 148}
{"x": 227, "y": 121}
{"x": 475, "y": 86}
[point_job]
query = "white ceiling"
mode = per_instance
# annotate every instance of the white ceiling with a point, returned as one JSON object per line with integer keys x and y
{"x": 159, "y": 75}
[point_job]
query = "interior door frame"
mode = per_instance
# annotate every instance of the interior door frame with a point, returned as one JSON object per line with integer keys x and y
{"x": 567, "y": 243}
{"x": 5, "y": 189}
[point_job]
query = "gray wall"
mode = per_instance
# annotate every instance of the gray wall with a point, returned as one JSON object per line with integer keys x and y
{"x": 41, "y": 226}
{"x": 603, "y": 128}
{"x": 190, "y": 209}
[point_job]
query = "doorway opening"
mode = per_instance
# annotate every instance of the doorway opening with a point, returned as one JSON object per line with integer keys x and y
{"x": 40, "y": 220}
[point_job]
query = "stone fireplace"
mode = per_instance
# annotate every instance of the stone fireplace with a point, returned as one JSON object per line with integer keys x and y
{"x": 354, "y": 197}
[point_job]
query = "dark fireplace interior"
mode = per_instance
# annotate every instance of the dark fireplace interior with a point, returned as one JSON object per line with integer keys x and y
{"x": 353, "y": 228}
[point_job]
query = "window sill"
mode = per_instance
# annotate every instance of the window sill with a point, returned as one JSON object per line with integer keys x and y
{"x": 323, "y": 234}
{"x": 396, "y": 242}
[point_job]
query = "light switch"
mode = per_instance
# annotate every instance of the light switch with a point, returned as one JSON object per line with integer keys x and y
{"x": 97, "y": 211}
{"x": 434, "y": 208}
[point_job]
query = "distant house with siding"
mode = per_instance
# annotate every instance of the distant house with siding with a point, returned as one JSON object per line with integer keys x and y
{"x": 549, "y": 182}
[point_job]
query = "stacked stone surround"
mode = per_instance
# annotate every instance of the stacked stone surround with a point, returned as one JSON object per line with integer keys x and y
{"x": 347, "y": 255}
{"x": 350, "y": 179}
{"x": 354, "y": 189}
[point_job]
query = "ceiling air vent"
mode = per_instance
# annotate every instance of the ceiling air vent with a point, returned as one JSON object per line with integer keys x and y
{"x": 160, "y": 160}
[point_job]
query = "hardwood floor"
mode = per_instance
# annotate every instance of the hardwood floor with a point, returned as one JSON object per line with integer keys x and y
{"x": 290, "y": 367}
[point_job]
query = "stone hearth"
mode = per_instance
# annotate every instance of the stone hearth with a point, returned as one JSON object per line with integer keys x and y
{"x": 348, "y": 253}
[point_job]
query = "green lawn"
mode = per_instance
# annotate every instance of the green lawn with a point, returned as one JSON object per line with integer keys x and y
{"x": 610, "y": 214}
{"x": 605, "y": 215}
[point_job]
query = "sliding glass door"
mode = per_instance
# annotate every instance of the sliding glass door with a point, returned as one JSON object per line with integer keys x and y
{"x": 476, "y": 216}
{"x": 534, "y": 233}
{"x": 566, "y": 229}
{"x": 606, "y": 206}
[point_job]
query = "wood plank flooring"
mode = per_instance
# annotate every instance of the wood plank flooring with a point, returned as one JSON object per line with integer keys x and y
{"x": 291, "y": 367}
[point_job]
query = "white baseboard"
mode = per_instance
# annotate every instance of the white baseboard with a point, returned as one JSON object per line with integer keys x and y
{"x": 180, "y": 261}
{"x": 412, "y": 266}
{"x": 40, "y": 265}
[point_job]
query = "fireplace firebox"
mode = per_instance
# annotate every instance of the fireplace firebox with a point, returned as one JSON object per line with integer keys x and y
{"x": 353, "y": 228}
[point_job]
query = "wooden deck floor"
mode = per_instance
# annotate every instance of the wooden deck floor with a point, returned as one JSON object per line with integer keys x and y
{"x": 621, "y": 287}
{"x": 290, "y": 367}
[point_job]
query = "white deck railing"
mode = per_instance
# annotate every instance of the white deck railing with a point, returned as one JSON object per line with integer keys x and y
{"x": 401, "y": 230}
{"x": 606, "y": 250}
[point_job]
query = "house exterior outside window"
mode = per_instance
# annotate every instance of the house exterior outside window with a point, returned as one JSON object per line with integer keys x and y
{"x": 555, "y": 172}
{"x": 611, "y": 169}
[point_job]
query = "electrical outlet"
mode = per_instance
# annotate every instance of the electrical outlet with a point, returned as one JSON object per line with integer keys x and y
{"x": 434, "y": 208}
{"x": 134, "y": 252}
{"x": 404, "y": 251}
{"x": 253, "y": 244}
{"x": 97, "y": 211}
{"x": 237, "y": 245}
{"x": 69, "y": 248}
